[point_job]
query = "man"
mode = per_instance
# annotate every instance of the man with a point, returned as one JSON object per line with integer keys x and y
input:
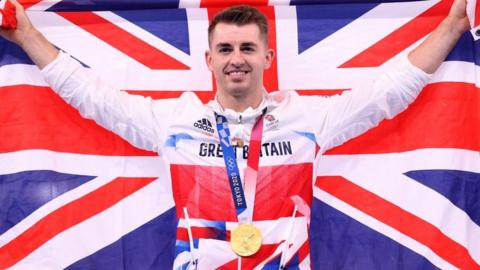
{"x": 242, "y": 165}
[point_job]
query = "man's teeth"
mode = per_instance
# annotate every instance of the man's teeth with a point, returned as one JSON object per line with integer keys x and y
{"x": 236, "y": 72}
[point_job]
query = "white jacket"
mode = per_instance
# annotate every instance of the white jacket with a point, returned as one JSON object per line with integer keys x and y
{"x": 183, "y": 131}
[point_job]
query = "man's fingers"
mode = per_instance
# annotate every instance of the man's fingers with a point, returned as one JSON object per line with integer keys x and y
{"x": 15, "y": 3}
{"x": 18, "y": 6}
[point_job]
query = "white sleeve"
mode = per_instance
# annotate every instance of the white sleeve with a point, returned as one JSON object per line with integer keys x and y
{"x": 342, "y": 117}
{"x": 141, "y": 121}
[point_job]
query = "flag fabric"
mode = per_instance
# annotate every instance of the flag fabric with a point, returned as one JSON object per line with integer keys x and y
{"x": 473, "y": 13}
{"x": 7, "y": 15}
{"x": 404, "y": 195}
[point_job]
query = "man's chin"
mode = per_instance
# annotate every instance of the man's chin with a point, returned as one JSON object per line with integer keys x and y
{"x": 238, "y": 92}
{"x": 237, "y": 89}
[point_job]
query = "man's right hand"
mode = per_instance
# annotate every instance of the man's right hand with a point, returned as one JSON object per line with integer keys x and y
{"x": 38, "y": 48}
{"x": 24, "y": 26}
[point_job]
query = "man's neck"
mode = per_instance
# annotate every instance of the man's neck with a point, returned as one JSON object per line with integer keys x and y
{"x": 240, "y": 104}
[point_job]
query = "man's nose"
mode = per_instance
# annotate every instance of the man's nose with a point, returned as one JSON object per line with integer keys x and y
{"x": 237, "y": 58}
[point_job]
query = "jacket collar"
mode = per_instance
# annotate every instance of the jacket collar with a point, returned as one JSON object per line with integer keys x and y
{"x": 248, "y": 114}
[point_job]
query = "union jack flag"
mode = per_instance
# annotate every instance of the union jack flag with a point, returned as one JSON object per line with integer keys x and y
{"x": 7, "y": 15}
{"x": 473, "y": 12}
{"x": 404, "y": 195}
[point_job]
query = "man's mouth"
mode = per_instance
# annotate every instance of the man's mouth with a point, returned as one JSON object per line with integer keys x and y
{"x": 236, "y": 72}
{"x": 237, "y": 75}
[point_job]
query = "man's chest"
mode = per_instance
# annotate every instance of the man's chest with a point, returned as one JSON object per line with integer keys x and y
{"x": 199, "y": 178}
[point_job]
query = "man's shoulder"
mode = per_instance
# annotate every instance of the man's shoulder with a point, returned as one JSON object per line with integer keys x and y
{"x": 187, "y": 97}
{"x": 187, "y": 103}
{"x": 281, "y": 96}
{"x": 293, "y": 96}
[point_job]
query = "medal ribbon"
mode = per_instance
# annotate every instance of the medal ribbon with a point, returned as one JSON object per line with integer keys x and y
{"x": 241, "y": 199}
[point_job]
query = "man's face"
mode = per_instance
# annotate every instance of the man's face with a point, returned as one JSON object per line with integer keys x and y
{"x": 237, "y": 57}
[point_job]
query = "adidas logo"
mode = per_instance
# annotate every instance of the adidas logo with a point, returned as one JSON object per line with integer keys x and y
{"x": 204, "y": 124}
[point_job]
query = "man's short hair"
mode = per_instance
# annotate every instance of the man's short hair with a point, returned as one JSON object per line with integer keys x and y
{"x": 240, "y": 15}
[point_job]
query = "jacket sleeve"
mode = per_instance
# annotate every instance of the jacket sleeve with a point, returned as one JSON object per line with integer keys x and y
{"x": 141, "y": 121}
{"x": 342, "y": 117}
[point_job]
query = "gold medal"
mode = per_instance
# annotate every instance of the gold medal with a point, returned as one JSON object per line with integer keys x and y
{"x": 245, "y": 240}
{"x": 240, "y": 143}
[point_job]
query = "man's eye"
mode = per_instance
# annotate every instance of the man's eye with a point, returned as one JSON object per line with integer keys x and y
{"x": 224, "y": 50}
{"x": 248, "y": 49}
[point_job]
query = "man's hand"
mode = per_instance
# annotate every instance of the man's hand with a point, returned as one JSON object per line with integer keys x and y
{"x": 432, "y": 52}
{"x": 38, "y": 48}
{"x": 24, "y": 26}
{"x": 458, "y": 16}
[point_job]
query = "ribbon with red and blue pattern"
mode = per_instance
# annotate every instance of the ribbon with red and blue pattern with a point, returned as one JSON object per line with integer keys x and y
{"x": 241, "y": 199}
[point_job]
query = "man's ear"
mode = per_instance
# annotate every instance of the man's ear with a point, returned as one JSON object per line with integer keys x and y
{"x": 269, "y": 58}
{"x": 208, "y": 60}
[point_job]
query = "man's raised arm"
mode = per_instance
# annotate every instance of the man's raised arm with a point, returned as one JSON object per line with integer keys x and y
{"x": 433, "y": 51}
{"x": 141, "y": 121}
{"x": 38, "y": 48}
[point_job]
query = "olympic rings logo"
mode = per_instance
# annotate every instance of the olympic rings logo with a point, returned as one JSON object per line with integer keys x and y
{"x": 230, "y": 162}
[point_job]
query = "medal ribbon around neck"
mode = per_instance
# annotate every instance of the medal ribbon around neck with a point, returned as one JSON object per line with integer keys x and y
{"x": 245, "y": 239}
{"x": 243, "y": 201}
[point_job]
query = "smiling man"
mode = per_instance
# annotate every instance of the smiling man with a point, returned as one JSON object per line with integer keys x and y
{"x": 238, "y": 63}
{"x": 241, "y": 166}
